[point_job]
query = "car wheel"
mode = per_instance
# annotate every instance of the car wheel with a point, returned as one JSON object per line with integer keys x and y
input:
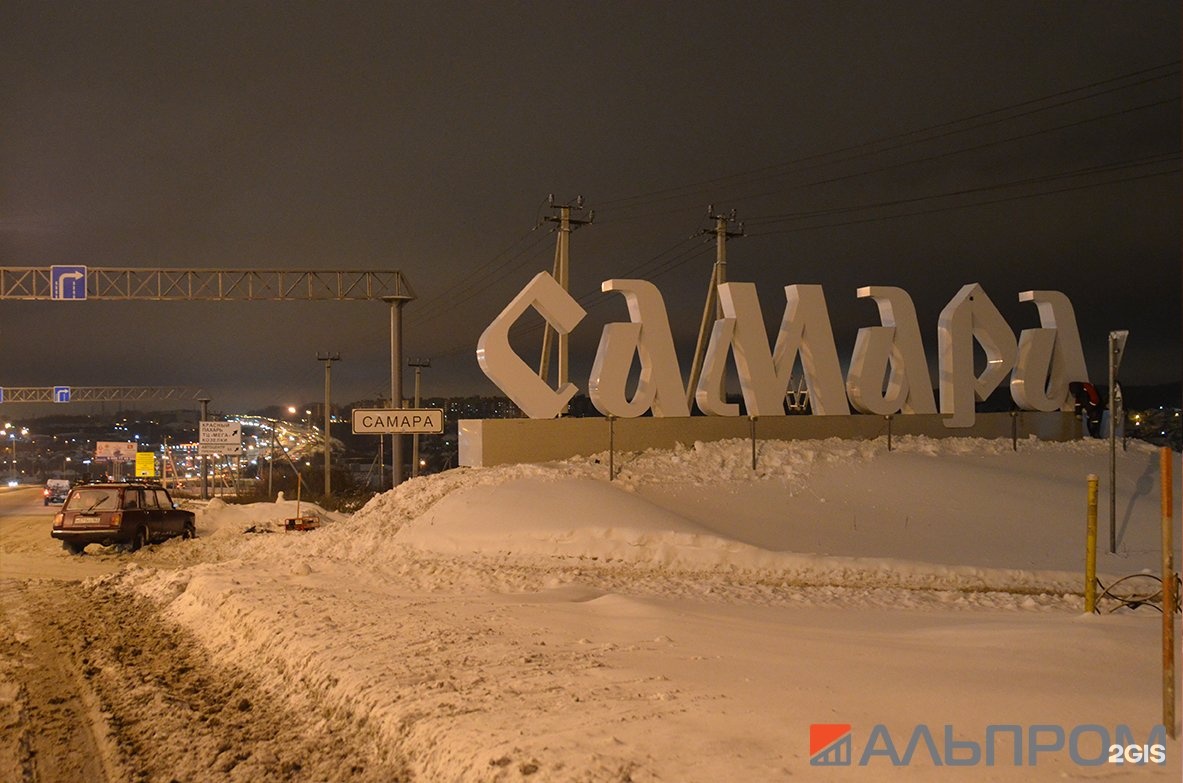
{"x": 140, "y": 540}
{"x": 190, "y": 531}
{"x": 73, "y": 548}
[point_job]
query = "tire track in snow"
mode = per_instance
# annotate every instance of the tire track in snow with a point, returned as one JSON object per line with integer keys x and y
{"x": 104, "y": 688}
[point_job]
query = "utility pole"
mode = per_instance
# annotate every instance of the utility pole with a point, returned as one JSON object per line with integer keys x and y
{"x": 712, "y": 310}
{"x": 396, "y": 379}
{"x": 562, "y": 275}
{"x": 204, "y": 459}
{"x": 1117, "y": 341}
{"x": 418, "y": 364}
{"x": 328, "y": 359}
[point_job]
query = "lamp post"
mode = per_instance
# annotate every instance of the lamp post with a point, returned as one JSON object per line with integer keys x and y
{"x": 328, "y": 359}
{"x": 418, "y": 364}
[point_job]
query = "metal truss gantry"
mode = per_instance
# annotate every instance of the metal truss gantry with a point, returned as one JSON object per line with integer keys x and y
{"x": 99, "y": 393}
{"x": 220, "y": 285}
{"x": 34, "y": 283}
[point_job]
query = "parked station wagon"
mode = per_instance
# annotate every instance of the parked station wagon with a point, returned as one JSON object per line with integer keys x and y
{"x": 128, "y": 514}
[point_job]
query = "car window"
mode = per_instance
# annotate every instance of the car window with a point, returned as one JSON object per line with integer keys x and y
{"x": 163, "y": 499}
{"x": 150, "y": 499}
{"x": 93, "y": 500}
{"x": 131, "y": 498}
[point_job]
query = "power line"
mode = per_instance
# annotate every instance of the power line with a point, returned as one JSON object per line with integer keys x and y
{"x": 1103, "y": 168}
{"x": 973, "y": 148}
{"x": 1017, "y": 197}
{"x": 675, "y": 257}
{"x": 872, "y": 147}
{"x": 477, "y": 283}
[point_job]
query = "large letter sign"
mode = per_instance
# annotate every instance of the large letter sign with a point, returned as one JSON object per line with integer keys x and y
{"x": 909, "y": 387}
{"x": 888, "y": 368}
{"x": 1052, "y": 353}
{"x": 968, "y": 317}
{"x": 649, "y": 336}
{"x": 764, "y": 374}
{"x": 506, "y": 369}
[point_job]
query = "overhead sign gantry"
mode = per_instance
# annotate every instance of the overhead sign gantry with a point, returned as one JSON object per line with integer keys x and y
{"x": 95, "y": 393}
{"x": 83, "y": 283}
{"x": 80, "y": 283}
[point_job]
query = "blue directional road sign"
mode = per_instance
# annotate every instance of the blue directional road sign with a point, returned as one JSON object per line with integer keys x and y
{"x": 61, "y": 393}
{"x": 67, "y": 283}
{"x": 1, "y": 395}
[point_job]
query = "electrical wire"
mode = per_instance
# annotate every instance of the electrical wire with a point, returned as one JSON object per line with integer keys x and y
{"x": 874, "y": 146}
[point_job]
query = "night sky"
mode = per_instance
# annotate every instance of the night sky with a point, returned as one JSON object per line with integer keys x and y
{"x": 925, "y": 145}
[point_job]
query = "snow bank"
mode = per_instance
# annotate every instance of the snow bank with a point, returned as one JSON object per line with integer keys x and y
{"x": 498, "y": 623}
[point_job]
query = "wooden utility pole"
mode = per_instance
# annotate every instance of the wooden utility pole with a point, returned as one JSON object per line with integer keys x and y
{"x": 712, "y": 310}
{"x": 562, "y": 275}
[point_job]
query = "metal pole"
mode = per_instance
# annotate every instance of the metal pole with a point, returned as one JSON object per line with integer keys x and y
{"x": 713, "y": 309}
{"x": 1112, "y": 451}
{"x": 547, "y": 329}
{"x": 328, "y": 436}
{"x": 418, "y": 364}
{"x": 1090, "y": 550}
{"x": 328, "y": 360}
{"x": 611, "y": 448}
{"x": 889, "y": 418}
{"x": 204, "y": 459}
{"x": 396, "y": 385}
{"x": 415, "y": 437}
{"x": 562, "y": 275}
{"x": 752, "y": 428}
{"x": 565, "y": 282}
{"x": 1168, "y": 594}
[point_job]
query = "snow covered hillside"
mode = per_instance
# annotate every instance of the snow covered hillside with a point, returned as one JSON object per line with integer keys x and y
{"x": 690, "y": 620}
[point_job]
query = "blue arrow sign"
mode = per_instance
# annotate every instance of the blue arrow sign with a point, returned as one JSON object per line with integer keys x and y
{"x": 61, "y": 393}
{"x": 67, "y": 283}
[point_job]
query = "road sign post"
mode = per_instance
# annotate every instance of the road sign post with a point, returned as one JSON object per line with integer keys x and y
{"x": 220, "y": 437}
{"x": 398, "y": 421}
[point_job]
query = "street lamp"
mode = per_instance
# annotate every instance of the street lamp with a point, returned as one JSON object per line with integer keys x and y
{"x": 328, "y": 359}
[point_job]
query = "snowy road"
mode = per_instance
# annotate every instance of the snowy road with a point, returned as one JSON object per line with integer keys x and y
{"x": 96, "y": 686}
{"x": 691, "y": 621}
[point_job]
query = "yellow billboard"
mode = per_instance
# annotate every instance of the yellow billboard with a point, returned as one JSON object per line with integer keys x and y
{"x": 145, "y": 464}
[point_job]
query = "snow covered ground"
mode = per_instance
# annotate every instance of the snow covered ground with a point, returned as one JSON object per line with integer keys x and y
{"x": 690, "y": 620}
